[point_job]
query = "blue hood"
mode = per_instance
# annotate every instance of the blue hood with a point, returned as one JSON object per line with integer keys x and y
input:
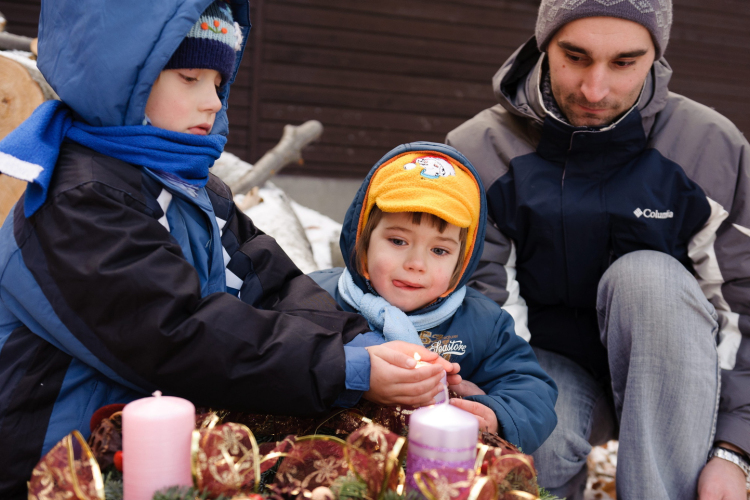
{"x": 351, "y": 221}
{"x": 103, "y": 56}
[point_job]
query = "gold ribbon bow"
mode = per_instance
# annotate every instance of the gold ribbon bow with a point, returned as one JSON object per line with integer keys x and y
{"x": 68, "y": 471}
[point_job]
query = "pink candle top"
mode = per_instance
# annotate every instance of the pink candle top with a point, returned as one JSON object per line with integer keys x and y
{"x": 156, "y": 437}
{"x": 443, "y": 431}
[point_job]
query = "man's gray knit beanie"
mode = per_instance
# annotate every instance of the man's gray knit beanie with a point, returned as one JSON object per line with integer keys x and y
{"x": 654, "y": 15}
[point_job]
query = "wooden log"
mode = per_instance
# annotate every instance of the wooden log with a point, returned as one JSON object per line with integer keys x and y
{"x": 287, "y": 151}
{"x": 9, "y": 41}
{"x": 19, "y": 96}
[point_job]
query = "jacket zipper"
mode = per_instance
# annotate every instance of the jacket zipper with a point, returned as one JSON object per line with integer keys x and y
{"x": 562, "y": 214}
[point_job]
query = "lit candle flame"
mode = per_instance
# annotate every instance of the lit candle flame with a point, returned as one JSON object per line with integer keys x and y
{"x": 417, "y": 356}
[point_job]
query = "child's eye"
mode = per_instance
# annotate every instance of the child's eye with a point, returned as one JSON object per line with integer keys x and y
{"x": 188, "y": 79}
{"x": 440, "y": 251}
{"x": 397, "y": 241}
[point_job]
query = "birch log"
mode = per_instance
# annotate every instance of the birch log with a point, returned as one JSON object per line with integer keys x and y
{"x": 20, "y": 94}
{"x": 287, "y": 151}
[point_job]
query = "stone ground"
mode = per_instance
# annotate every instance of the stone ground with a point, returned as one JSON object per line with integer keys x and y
{"x": 602, "y": 463}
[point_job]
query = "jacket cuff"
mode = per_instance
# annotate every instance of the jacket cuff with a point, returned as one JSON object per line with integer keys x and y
{"x": 357, "y": 368}
{"x": 357, "y": 376}
{"x": 734, "y": 430}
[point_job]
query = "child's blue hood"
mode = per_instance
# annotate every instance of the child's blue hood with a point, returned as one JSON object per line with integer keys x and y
{"x": 348, "y": 238}
{"x": 103, "y": 56}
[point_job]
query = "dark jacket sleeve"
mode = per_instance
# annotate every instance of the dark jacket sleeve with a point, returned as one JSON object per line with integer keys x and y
{"x": 520, "y": 393}
{"x": 122, "y": 286}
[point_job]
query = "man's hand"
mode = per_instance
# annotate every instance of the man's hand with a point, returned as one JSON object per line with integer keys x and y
{"x": 466, "y": 388}
{"x": 721, "y": 479}
{"x": 486, "y": 417}
{"x": 394, "y": 379}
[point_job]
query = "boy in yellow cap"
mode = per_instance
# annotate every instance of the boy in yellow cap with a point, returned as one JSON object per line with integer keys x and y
{"x": 412, "y": 238}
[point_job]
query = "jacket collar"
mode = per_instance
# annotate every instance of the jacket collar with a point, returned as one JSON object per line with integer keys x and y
{"x": 621, "y": 142}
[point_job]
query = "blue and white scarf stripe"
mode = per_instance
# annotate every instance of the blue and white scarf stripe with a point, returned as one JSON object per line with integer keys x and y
{"x": 391, "y": 321}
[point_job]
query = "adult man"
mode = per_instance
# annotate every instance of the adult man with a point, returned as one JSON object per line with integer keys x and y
{"x": 620, "y": 216}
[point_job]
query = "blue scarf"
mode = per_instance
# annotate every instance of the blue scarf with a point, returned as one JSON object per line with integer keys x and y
{"x": 391, "y": 321}
{"x": 30, "y": 152}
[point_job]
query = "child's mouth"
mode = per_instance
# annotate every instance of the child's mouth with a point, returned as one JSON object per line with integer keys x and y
{"x": 202, "y": 129}
{"x": 405, "y": 285}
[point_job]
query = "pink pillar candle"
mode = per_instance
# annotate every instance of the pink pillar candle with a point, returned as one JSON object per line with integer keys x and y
{"x": 441, "y": 436}
{"x": 156, "y": 437}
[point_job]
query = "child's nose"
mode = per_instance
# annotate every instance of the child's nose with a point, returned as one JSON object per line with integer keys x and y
{"x": 212, "y": 103}
{"x": 415, "y": 262}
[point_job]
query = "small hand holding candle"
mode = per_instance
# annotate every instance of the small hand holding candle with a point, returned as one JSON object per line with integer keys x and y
{"x": 156, "y": 434}
{"x": 442, "y": 396}
{"x": 394, "y": 381}
{"x": 484, "y": 414}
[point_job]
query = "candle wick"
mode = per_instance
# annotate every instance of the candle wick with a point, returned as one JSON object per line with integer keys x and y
{"x": 156, "y": 394}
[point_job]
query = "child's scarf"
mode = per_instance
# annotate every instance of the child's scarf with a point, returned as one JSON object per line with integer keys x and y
{"x": 30, "y": 152}
{"x": 391, "y": 321}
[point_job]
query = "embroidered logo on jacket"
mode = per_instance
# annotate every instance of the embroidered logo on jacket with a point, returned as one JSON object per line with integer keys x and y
{"x": 444, "y": 345}
{"x": 432, "y": 167}
{"x": 653, "y": 214}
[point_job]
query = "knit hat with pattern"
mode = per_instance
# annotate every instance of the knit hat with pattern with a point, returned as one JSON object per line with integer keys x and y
{"x": 654, "y": 15}
{"x": 211, "y": 43}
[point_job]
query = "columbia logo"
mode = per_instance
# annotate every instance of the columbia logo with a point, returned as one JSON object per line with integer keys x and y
{"x": 653, "y": 214}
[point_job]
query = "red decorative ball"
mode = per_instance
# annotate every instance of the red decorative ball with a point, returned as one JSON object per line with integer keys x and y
{"x": 224, "y": 30}
{"x": 216, "y": 23}
{"x": 204, "y": 26}
{"x": 118, "y": 460}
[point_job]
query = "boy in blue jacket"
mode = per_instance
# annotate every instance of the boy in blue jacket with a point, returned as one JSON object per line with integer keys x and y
{"x": 412, "y": 238}
{"x": 127, "y": 268}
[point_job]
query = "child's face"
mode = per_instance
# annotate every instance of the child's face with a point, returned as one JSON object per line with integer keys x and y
{"x": 185, "y": 100}
{"x": 410, "y": 265}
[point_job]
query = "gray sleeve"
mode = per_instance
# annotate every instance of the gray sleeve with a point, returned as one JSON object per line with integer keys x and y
{"x": 495, "y": 277}
{"x": 733, "y": 257}
{"x": 490, "y": 140}
{"x": 720, "y": 251}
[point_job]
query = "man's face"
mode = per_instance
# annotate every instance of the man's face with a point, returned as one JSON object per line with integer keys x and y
{"x": 597, "y": 68}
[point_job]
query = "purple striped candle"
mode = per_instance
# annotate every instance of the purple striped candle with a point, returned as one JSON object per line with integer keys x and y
{"x": 440, "y": 436}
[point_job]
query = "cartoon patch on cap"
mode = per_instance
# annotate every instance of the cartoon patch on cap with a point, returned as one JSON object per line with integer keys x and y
{"x": 432, "y": 167}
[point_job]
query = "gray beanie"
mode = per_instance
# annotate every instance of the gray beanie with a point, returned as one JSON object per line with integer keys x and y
{"x": 654, "y": 15}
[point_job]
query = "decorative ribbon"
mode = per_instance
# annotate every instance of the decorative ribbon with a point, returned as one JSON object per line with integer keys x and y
{"x": 227, "y": 460}
{"x": 68, "y": 470}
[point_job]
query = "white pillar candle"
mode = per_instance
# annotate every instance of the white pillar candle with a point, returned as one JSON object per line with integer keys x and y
{"x": 156, "y": 438}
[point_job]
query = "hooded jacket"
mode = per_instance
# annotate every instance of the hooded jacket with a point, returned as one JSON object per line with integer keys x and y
{"x": 671, "y": 175}
{"x": 124, "y": 282}
{"x": 479, "y": 336}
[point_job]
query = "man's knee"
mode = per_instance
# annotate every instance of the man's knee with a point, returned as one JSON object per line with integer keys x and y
{"x": 653, "y": 294}
{"x": 647, "y": 273}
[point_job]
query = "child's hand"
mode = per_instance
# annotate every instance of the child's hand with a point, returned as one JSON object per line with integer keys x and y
{"x": 451, "y": 369}
{"x": 394, "y": 379}
{"x": 466, "y": 388}
{"x": 486, "y": 417}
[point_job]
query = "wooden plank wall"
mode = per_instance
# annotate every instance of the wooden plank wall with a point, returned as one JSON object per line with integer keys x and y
{"x": 378, "y": 74}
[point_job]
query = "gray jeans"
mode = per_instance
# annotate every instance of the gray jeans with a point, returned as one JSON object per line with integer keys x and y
{"x": 659, "y": 331}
